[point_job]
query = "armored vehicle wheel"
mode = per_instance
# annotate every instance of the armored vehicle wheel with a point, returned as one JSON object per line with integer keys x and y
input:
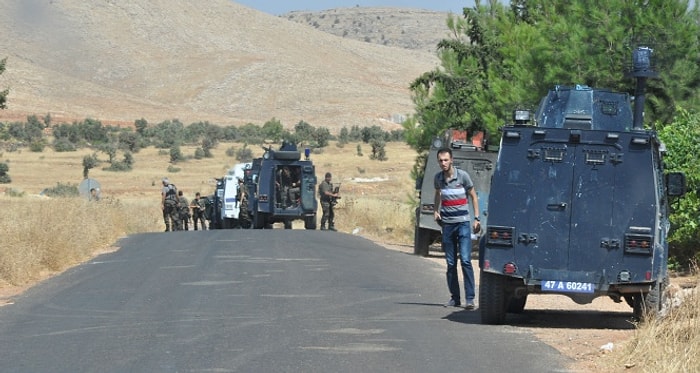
{"x": 310, "y": 222}
{"x": 647, "y": 306}
{"x": 227, "y": 223}
{"x": 259, "y": 220}
{"x": 517, "y": 304}
{"x": 492, "y": 298}
{"x": 422, "y": 241}
{"x": 287, "y": 224}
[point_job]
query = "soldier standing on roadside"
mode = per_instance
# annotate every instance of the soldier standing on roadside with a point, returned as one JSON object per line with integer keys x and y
{"x": 328, "y": 201}
{"x": 169, "y": 205}
{"x": 184, "y": 209}
{"x": 198, "y": 206}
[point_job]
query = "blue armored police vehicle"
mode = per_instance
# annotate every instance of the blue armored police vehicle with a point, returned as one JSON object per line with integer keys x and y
{"x": 471, "y": 154}
{"x": 579, "y": 204}
{"x": 280, "y": 188}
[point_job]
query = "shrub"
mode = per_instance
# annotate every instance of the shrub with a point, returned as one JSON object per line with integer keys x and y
{"x": 63, "y": 145}
{"x": 62, "y": 190}
{"x": 244, "y": 154}
{"x": 37, "y": 146}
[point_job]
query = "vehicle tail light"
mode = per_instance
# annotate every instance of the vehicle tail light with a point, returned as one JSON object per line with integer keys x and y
{"x": 638, "y": 243}
{"x": 487, "y": 264}
{"x": 510, "y": 268}
{"x": 499, "y": 236}
{"x": 647, "y": 275}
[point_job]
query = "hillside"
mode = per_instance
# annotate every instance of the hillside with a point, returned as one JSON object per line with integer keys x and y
{"x": 223, "y": 62}
{"x": 415, "y": 29}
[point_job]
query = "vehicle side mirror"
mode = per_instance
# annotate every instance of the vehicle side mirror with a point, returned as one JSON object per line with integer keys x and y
{"x": 419, "y": 182}
{"x": 675, "y": 184}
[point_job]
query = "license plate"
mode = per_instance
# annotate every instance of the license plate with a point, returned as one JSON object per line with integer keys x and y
{"x": 568, "y": 286}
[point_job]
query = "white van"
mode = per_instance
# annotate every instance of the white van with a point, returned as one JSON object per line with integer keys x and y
{"x": 231, "y": 204}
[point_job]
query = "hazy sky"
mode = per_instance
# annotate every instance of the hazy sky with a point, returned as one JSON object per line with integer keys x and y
{"x": 278, "y": 7}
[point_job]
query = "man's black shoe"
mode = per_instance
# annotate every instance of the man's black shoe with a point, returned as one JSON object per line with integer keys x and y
{"x": 332, "y": 229}
{"x": 452, "y": 303}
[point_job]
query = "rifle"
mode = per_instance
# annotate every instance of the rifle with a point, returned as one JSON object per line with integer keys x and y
{"x": 334, "y": 200}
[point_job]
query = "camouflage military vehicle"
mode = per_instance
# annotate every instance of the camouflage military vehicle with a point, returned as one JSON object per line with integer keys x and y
{"x": 579, "y": 204}
{"x": 471, "y": 155}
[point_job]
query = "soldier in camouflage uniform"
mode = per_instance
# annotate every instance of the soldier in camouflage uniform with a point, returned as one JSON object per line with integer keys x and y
{"x": 169, "y": 204}
{"x": 184, "y": 209}
{"x": 328, "y": 201}
{"x": 243, "y": 216}
{"x": 198, "y": 207}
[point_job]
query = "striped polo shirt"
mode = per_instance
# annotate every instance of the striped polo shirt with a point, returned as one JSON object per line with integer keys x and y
{"x": 453, "y": 196}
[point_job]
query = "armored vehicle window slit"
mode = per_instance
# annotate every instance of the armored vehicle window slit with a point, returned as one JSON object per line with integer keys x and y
{"x": 595, "y": 157}
{"x": 554, "y": 154}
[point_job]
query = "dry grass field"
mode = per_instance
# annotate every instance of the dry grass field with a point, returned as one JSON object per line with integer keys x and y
{"x": 43, "y": 234}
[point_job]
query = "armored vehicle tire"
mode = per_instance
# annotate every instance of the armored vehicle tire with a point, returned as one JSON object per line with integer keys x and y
{"x": 228, "y": 223}
{"x": 421, "y": 241}
{"x": 492, "y": 298}
{"x": 310, "y": 222}
{"x": 287, "y": 224}
{"x": 259, "y": 220}
{"x": 517, "y": 304}
{"x": 647, "y": 306}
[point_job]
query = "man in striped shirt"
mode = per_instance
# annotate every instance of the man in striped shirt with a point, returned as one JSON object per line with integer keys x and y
{"x": 452, "y": 189}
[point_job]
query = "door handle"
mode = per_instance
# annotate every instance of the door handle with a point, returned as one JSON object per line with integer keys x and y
{"x": 556, "y": 206}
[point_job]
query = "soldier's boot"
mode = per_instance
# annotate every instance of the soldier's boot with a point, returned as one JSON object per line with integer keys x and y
{"x": 331, "y": 227}
{"x": 167, "y": 227}
{"x": 323, "y": 227}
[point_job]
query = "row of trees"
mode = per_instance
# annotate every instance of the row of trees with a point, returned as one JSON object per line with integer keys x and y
{"x": 500, "y": 58}
{"x": 170, "y": 133}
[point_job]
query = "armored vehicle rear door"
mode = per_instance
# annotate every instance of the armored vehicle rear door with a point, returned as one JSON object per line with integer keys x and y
{"x": 574, "y": 196}
{"x": 574, "y": 199}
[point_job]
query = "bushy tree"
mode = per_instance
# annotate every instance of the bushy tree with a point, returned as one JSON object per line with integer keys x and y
{"x": 167, "y": 134}
{"x": 304, "y": 132}
{"x": 89, "y": 162}
{"x": 500, "y": 58}
{"x": 4, "y": 177}
{"x": 683, "y": 149}
{"x": 34, "y": 129}
{"x": 273, "y": 130}
{"x": 176, "y": 154}
{"x": 140, "y": 125}
{"x": 63, "y": 145}
{"x": 244, "y": 154}
{"x": 378, "y": 150}
{"x": 344, "y": 135}
{"x": 322, "y": 136}
{"x": 130, "y": 140}
{"x": 251, "y": 133}
{"x": 3, "y": 94}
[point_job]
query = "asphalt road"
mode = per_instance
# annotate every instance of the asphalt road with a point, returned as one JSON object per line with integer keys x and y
{"x": 256, "y": 301}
